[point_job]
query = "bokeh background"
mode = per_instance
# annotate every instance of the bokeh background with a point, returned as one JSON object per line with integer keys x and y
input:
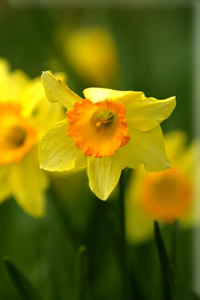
{"x": 152, "y": 49}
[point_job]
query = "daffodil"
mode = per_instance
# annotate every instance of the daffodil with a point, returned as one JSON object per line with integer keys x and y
{"x": 24, "y": 116}
{"x": 104, "y": 132}
{"x": 97, "y": 62}
{"x": 164, "y": 196}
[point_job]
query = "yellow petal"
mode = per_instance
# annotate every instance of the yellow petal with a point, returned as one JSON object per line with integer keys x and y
{"x": 146, "y": 113}
{"x": 139, "y": 227}
{"x": 57, "y": 91}
{"x": 12, "y": 84}
{"x": 104, "y": 173}
{"x": 58, "y": 152}
{"x": 32, "y": 95}
{"x": 43, "y": 113}
{"x": 147, "y": 148}
{"x": 28, "y": 183}
{"x": 193, "y": 216}
{"x": 189, "y": 161}
{"x": 100, "y": 94}
{"x": 47, "y": 115}
{"x": 175, "y": 142}
{"x": 5, "y": 191}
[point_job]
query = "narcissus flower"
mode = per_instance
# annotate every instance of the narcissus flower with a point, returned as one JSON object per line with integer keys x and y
{"x": 24, "y": 116}
{"x": 104, "y": 132}
{"x": 164, "y": 196}
{"x": 97, "y": 62}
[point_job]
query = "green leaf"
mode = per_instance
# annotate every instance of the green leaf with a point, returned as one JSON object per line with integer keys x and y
{"x": 166, "y": 266}
{"x": 175, "y": 246}
{"x": 136, "y": 291}
{"x": 173, "y": 289}
{"x": 25, "y": 289}
{"x": 176, "y": 262}
{"x": 81, "y": 274}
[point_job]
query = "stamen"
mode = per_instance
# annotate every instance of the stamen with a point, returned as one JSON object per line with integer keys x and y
{"x": 105, "y": 117}
{"x": 98, "y": 124}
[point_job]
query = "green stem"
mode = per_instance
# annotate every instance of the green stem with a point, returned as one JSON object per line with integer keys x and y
{"x": 122, "y": 238}
{"x": 81, "y": 268}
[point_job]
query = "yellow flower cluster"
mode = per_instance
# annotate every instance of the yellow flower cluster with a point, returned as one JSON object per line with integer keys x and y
{"x": 104, "y": 132}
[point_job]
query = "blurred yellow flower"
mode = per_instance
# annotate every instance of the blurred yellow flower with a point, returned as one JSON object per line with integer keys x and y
{"x": 164, "y": 196}
{"x": 93, "y": 54}
{"x": 24, "y": 116}
{"x": 105, "y": 132}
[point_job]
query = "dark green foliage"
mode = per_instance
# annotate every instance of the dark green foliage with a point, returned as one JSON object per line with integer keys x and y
{"x": 173, "y": 287}
{"x": 24, "y": 287}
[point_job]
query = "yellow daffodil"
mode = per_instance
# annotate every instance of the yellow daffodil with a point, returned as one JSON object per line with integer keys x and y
{"x": 164, "y": 196}
{"x": 97, "y": 62}
{"x": 104, "y": 132}
{"x": 24, "y": 116}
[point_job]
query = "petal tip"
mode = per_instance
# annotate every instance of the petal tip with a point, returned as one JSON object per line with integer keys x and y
{"x": 105, "y": 198}
{"x": 44, "y": 73}
{"x": 173, "y": 99}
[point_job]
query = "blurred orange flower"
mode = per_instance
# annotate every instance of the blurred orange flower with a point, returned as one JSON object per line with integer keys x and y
{"x": 164, "y": 196}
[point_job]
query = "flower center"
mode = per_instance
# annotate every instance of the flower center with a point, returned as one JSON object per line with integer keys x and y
{"x": 14, "y": 137}
{"x": 166, "y": 195}
{"x": 17, "y": 134}
{"x": 104, "y": 118}
{"x": 98, "y": 129}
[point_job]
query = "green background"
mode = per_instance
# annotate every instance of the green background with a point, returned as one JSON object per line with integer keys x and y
{"x": 155, "y": 46}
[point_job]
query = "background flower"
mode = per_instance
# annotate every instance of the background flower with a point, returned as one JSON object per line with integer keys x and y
{"x": 92, "y": 53}
{"x": 24, "y": 116}
{"x": 164, "y": 196}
